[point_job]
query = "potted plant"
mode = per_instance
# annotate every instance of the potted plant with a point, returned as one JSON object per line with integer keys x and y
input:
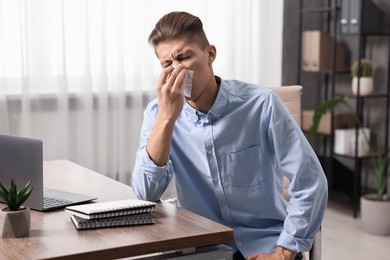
{"x": 374, "y": 208}
{"x": 15, "y": 218}
{"x": 362, "y": 71}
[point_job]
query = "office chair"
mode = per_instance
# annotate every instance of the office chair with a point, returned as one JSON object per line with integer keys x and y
{"x": 291, "y": 97}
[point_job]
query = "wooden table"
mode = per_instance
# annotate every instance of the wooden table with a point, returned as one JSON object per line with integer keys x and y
{"x": 53, "y": 235}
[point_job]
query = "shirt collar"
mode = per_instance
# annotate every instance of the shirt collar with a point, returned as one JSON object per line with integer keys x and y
{"x": 217, "y": 109}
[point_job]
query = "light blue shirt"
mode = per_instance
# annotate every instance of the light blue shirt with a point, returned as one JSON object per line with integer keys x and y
{"x": 229, "y": 166}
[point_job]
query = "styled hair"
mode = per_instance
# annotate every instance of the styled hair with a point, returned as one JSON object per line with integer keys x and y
{"x": 177, "y": 24}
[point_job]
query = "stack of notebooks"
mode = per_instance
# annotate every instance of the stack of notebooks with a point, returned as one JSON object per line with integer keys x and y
{"x": 112, "y": 214}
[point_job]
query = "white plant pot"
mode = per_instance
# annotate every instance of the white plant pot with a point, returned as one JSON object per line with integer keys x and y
{"x": 15, "y": 223}
{"x": 375, "y": 215}
{"x": 366, "y": 85}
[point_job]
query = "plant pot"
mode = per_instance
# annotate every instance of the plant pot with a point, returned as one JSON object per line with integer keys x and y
{"x": 375, "y": 215}
{"x": 15, "y": 223}
{"x": 366, "y": 85}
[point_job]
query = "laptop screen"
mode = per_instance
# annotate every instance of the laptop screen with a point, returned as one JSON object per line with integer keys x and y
{"x": 21, "y": 159}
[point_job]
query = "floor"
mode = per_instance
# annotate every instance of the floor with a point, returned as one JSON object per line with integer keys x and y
{"x": 343, "y": 237}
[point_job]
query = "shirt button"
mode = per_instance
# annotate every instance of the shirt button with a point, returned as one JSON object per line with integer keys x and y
{"x": 209, "y": 151}
{"x": 215, "y": 179}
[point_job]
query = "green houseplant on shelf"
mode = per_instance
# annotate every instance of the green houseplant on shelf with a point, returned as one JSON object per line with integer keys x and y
{"x": 15, "y": 218}
{"x": 362, "y": 73}
{"x": 375, "y": 208}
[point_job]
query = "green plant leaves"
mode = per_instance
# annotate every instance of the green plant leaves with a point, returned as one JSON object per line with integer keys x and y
{"x": 328, "y": 105}
{"x": 14, "y": 197}
{"x": 378, "y": 161}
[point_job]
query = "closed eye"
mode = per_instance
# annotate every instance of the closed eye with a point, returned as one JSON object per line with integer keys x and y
{"x": 166, "y": 64}
{"x": 181, "y": 58}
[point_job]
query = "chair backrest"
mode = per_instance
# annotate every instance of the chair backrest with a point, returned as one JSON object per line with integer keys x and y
{"x": 291, "y": 97}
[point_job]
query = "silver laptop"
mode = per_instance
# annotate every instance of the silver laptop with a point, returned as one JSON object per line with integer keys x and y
{"x": 21, "y": 159}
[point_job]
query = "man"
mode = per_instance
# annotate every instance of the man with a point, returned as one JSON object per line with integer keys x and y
{"x": 229, "y": 145}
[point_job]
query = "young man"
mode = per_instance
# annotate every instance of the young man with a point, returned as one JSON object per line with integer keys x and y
{"x": 229, "y": 145}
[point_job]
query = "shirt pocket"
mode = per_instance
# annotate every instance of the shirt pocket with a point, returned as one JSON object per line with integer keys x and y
{"x": 245, "y": 168}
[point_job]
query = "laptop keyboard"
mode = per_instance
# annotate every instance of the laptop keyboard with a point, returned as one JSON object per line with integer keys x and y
{"x": 50, "y": 202}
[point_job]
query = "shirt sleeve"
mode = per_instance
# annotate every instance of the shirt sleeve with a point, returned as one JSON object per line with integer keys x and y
{"x": 308, "y": 190}
{"x": 148, "y": 180}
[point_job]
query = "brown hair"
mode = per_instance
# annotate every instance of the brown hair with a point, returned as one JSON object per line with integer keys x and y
{"x": 177, "y": 24}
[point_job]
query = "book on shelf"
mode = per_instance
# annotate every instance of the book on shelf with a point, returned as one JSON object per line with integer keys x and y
{"x": 108, "y": 209}
{"x": 128, "y": 220}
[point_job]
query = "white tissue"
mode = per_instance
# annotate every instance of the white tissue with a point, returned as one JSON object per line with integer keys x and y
{"x": 187, "y": 83}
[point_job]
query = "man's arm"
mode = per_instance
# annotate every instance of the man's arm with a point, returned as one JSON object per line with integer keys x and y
{"x": 170, "y": 95}
{"x": 295, "y": 159}
{"x": 149, "y": 180}
{"x": 152, "y": 171}
{"x": 160, "y": 140}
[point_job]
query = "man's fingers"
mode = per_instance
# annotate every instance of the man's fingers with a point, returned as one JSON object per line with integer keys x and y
{"x": 171, "y": 79}
{"x": 177, "y": 84}
{"x": 165, "y": 74}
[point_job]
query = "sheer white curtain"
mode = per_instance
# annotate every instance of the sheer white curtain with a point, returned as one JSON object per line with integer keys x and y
{"x": 78, "y": 73}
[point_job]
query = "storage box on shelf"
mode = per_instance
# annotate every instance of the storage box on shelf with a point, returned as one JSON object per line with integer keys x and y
{"x": 341, "y": 120}
{"x": 317, "y": 52}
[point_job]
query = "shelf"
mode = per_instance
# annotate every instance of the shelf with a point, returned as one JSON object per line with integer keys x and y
{"x": 384, "y": 34}
{"x": 352, "y": 156}
{"x": 319, "y": 134}
{"x": 335, "y": 84}
{"x": 319, "y": 10}
{"x": 346, "y": 72}
{"x": 373, "y": 95}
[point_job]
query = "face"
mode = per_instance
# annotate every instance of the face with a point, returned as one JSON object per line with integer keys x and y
{"x": 192, "y": 57}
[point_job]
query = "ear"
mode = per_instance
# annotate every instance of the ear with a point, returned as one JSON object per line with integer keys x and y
{"x": 212, "y": 52}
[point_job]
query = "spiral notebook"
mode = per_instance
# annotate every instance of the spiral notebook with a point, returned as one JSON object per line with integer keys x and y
{"x": 128, "y": 220}
{"x": 111, "y": 208}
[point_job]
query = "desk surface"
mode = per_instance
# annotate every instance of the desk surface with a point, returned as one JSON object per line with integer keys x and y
{"x": 53, "y": 235}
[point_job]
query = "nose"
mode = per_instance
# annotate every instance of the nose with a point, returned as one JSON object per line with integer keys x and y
{"x": 175, "y": 63}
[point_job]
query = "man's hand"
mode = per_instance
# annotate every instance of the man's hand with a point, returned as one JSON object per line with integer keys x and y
{"x": 280, "y": 254}
{"x": 170, "y": 92}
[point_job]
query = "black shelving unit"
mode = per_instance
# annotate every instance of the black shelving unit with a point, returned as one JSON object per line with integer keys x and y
{"x": 332, "y": 10}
